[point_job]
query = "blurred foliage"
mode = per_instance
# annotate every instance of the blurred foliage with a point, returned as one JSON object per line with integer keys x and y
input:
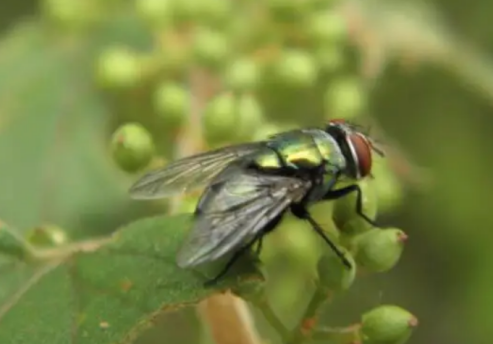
{"x": 73, "y": 72}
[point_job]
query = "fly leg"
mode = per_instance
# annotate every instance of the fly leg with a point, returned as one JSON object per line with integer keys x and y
{"x": 336, "y": 194}
{"x": 302, "y": 213}
{"x": 233, "y": 260}
{"x": 258, "y": 249}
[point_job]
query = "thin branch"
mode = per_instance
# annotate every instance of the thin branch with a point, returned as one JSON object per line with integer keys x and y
{"x": 273, "y": 319}
{"x": 190, "y": 139}
{"x": 345, "y": 335}
{"x": 309, "y": 319}
{"x": 70, "y": 249}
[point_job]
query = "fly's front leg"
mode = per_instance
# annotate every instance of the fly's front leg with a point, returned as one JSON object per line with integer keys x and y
{"x": 326, "y": 187}
{"x": 336, "y": 194}
{"x": 229, "y": 264}
{"x": 302, "y": 213}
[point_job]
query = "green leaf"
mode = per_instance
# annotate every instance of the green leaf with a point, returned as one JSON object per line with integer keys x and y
{"x": 11, "y": 244}
{"x": 52, "y": 132}
{"x": 107, "y": 290}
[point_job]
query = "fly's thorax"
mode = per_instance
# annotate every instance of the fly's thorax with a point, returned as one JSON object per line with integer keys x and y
{"x": 301, "y": 156}
{"x": 331, "y": 152}
{"x": 300, "y": 150}
{"x": 307, "y": 149}
{"x": 267, "y": 159}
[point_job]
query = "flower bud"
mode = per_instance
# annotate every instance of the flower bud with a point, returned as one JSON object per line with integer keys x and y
{"x": 379, "y": 250}
{"x": 333, "y": 274}
{"x": 220, "y": 118}
{"x": 132, "y": 147}
{"x": 296, "y": 69}
{"x": 119, "y": 67}
{"x": 387, "y": 324}
{"x": 242, "y": 75}
{"x": 47, "y": 236}
{"x": 345, "y": 216}
{"x": 172, "y": 102}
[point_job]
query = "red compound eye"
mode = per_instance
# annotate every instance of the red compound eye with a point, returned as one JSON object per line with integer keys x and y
{"x": 361, "y": 151}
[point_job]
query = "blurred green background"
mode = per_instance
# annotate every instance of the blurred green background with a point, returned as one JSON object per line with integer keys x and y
{"x": 72, "y": 72}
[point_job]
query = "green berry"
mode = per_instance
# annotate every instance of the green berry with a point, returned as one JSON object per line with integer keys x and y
{"x": 172, "y": 102}
{"x": 119, "y": 67}
{"x": 387, "y": 324}
{"x": 329, "y": 58}
{"x": 71, "y": 13}
{"x": 287, "y": 10}
{"x": 47, "y": 236}
{"x": 184, "y": 11}
{"x": 326, "y": 28}
{"x": 132, "y": 147}
{"x": 321, "y": 4}
{"x": 220, "y": 118}
{"x": 345, "y": 216}
{"x": 211, "y": 47}
{"x": 345, "y": 98}
{"x": 379, "y": 250}
{"x": 155, "y": 12}
{"x": 333, "y": 274}
{"x": 296, "y": 69}
{"x": 214, "y": 12}
{"x": 242, "y": 75}
{"x": 300, "y": 245}
{"x": 250, "y": 116}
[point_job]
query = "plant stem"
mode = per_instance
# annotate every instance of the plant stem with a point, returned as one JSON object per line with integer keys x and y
{"x": 273, "y": 320}
{"x": 190, "y": 140}
{"x": 344, "y": 335}
{"x": 309, "y": 319}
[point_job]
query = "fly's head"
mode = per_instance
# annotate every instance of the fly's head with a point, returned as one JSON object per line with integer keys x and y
{"x": 356, "y": 145}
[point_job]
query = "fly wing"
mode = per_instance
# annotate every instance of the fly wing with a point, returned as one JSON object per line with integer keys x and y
{"x": 188, "y": 173}
{"x": 235, "y": 209}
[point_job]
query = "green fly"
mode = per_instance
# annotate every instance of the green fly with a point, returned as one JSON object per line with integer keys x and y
{"x": 250, "y": 186}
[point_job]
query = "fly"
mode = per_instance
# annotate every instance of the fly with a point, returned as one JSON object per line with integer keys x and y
{"x": 250, "y": 186}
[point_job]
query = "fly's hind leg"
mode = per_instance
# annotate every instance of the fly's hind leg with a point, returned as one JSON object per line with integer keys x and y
{"x": 234, "y": 258}
{"x": 228, "y": 265}
{"x": 269, "y": 228}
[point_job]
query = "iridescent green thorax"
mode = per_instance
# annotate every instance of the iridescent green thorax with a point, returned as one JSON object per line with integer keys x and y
{"x": 302, "y": 149}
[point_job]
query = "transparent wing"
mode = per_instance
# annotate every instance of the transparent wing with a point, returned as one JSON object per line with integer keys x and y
{"x": 234, "y": 210}
{"x": 188, "y": 173}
